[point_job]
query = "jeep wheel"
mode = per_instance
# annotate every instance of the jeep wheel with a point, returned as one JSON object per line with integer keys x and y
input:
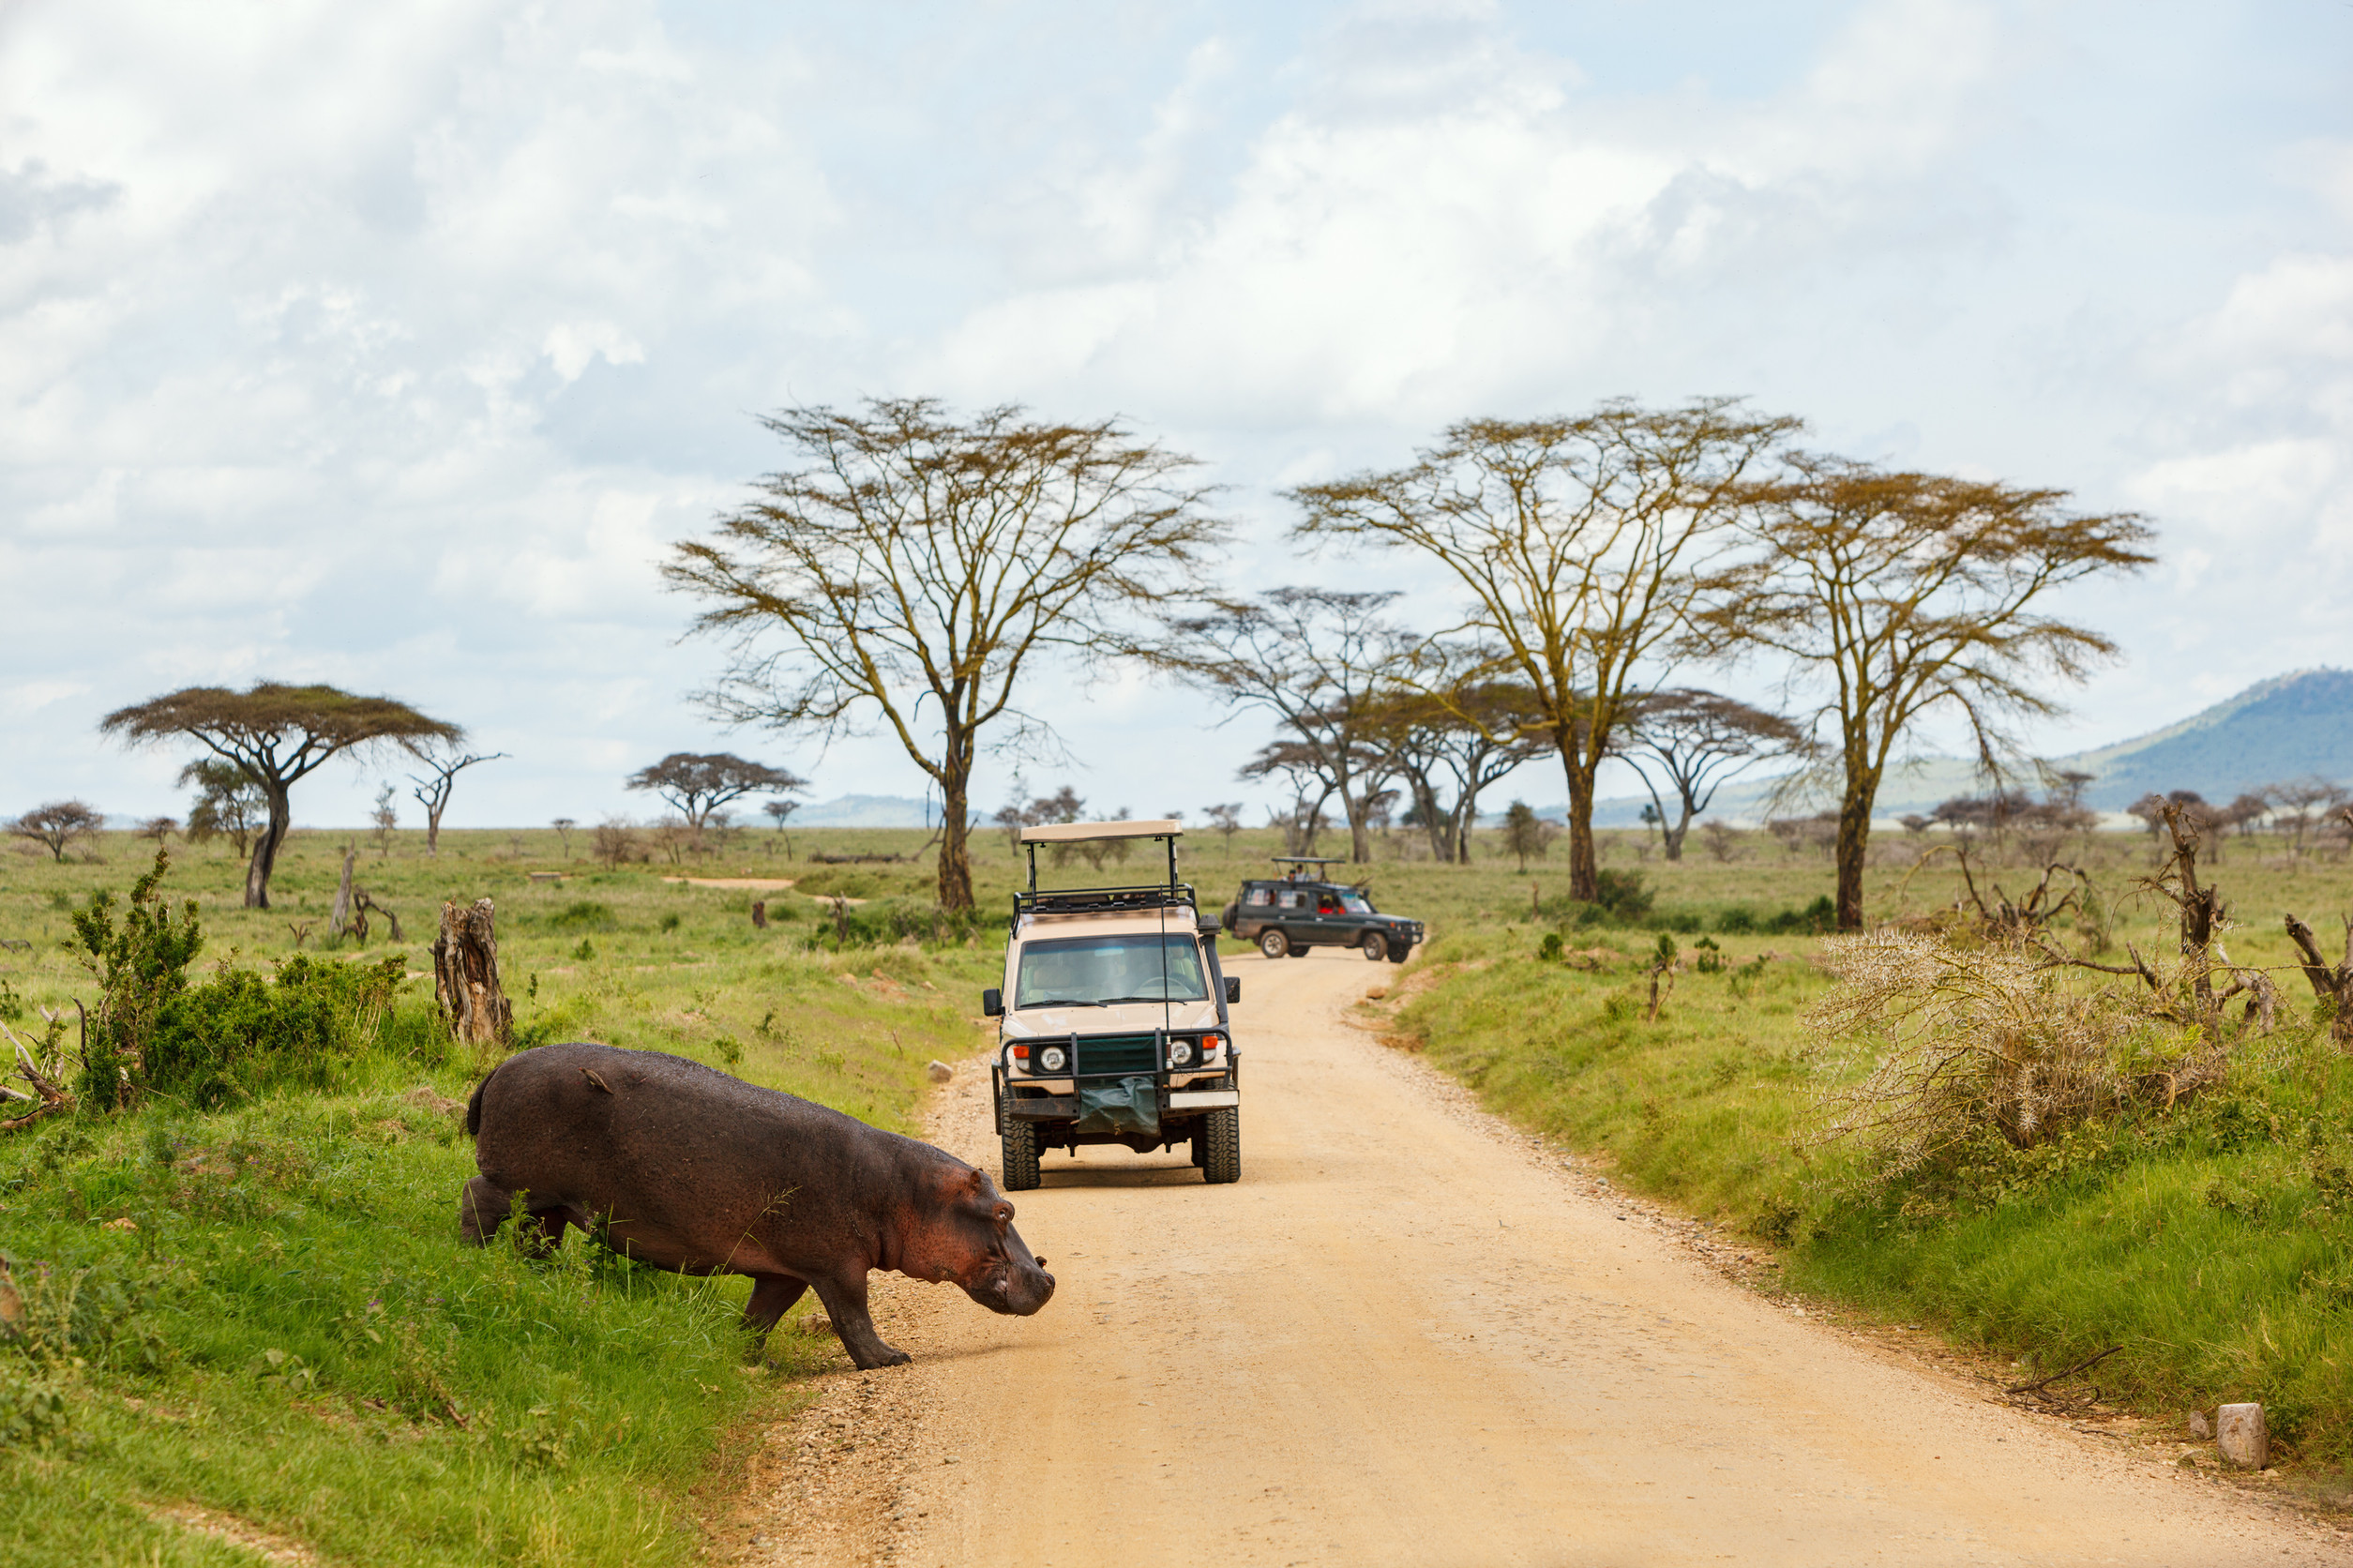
{"x": 1273, "y": 944}
{"x": 1375, "y": 946}
{"x": 1398, "y": 952}
{"x": 1020, "y": 1141}
{"x": 1220, "y": 1141}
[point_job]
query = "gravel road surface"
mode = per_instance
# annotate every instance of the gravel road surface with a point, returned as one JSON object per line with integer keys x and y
{"x": 1411, "y": 1335}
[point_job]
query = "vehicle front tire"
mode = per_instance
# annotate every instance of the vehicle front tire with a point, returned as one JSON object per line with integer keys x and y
{"x": 1398, "y": 952}
{"x": 1273, "y": 944}
{"x": 1375, "y": 946}
{"x": 1021, "y": 1148}
{"x": 1221, "y": 1134}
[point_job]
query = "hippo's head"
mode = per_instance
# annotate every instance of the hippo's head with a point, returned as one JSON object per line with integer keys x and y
{"x": 998, "y": 1270}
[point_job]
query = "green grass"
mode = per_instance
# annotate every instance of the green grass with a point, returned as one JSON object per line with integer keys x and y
{"x": 2214, "y": 1243}
{"x": 264, "y": 1311}
{"x": 290, "y": 1332}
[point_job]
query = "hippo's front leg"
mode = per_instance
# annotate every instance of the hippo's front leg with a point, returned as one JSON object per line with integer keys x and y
{"x": 845, "y": 1303}
{"x": 771, "y": 1297}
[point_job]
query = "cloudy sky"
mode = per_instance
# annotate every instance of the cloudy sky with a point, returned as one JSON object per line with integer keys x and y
{"x": 392, "y": 345}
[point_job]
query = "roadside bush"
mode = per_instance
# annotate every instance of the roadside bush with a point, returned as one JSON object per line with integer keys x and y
{"x": 241, "y": 1032}
{"x": 1988, "y": 1042}
{"x": 141, "y": 965}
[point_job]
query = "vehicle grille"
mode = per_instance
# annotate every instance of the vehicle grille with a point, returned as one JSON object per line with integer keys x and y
{"x": 1118, "y": 1054}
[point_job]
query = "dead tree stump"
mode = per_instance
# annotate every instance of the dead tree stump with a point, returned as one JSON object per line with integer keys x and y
{"x": 340, "y": 921}
{"x": 2332, "y": 983}
{"x": 465, "y": 975}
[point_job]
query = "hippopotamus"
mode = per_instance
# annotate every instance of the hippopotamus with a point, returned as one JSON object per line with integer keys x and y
{"x": 686, "y": 1169}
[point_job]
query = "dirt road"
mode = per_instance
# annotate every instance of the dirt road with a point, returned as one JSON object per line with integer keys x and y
{"x": 1409, "y": 1336}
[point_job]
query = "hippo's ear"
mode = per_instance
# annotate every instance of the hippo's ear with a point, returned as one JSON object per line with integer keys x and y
{"x": 975, "y": 1183}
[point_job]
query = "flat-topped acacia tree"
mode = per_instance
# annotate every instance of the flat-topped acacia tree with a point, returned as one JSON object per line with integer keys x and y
{"x": 696, "y": 784}
{"x": 908, "y": 555}
{"x": 274, "y": 734}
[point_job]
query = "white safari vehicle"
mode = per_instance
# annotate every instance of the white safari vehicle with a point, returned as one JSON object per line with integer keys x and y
{"x": 1112, "y": 1023}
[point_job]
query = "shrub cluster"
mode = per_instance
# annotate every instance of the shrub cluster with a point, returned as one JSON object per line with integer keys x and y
{"x": 236, "y": 1034}
{"x": 894, "y": 920}
{"x": 242, "y": 1032}
{"x": 1623, "y": 898}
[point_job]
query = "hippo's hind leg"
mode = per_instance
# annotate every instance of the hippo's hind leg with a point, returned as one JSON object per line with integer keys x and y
{"x": 482, "y": 1208}
{"x": 845, "y": 1303}
{"x": 771, "y": 1297}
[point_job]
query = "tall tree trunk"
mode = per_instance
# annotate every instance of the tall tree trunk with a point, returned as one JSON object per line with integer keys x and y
{"x": 1359, "y": 844}
{"x": 1673, "y": 837}
{"x": 955, "y": 855}
{"x": 1584, "y": 864}
{"x": 342, "y": 916}
{"x": 1854, "y": 845}
{"x": 258, "y": 869}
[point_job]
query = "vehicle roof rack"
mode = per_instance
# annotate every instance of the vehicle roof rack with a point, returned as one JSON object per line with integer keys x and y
{"x": 1299, "y": 863}
{"x": 1090, "y": 833}
{"x": 1102, "y": 901}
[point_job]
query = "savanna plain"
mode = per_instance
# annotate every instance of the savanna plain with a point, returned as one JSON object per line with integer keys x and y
{"x": 245, "y": 1324}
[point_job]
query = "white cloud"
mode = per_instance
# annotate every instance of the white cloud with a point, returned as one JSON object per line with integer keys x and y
{"x": 395, "y": 346}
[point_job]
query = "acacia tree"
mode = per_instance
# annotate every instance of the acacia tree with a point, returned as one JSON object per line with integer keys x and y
{"x": 908, "y": 558}
{"x": 444, "y": 764}
{"x": 1452, "y": 735}
{"x": 1691, "y": 742}
{"x": 696, "y": 784}
{"x": 1587, "y": 546}
{"x": 58, "y": 825}
{"x": 1314, "y": 658}
{"x": 228, "y": 802}
{"x": 275, "y": 735}
{"x": 1901, "y": 595}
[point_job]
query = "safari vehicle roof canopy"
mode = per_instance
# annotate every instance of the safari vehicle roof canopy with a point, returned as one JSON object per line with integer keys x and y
{"x": 1072, "y": 900}
{"x": 1088, "y": 833}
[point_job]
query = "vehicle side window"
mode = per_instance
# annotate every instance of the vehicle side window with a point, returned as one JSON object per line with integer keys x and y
{"x": 1259, "y": 896}
{"x": 1326, "y": 904}
{"x": 1292, "y": 900}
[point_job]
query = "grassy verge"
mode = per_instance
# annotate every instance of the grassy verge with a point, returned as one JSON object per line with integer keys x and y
{"x": 2210, "y": 1241}
{"x": 258, "y": 1313}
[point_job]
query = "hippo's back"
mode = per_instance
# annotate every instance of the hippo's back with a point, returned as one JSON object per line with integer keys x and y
{"x": 646, "y": 1137}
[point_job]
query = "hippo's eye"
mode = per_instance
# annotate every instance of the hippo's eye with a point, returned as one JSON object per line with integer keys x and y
{"x": 1004, "y": 1216}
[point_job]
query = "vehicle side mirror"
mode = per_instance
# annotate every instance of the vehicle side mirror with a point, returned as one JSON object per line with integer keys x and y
{"x": 992, "y": 1003}
{"x": 1233, "y": 989}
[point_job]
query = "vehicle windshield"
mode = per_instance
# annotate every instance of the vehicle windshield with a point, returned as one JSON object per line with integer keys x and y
{"x": 1098, "y": 971}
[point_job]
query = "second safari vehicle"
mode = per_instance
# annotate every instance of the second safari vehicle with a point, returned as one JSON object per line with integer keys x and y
{"x": 1112, "y": 1022}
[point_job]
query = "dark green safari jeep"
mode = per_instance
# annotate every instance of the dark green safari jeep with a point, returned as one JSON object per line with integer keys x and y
{"x": 1287, "y": 915}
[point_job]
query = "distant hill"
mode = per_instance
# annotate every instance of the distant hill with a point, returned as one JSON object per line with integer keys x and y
{"x": 2292, "y": 726}
{"x": 868, "y": 811}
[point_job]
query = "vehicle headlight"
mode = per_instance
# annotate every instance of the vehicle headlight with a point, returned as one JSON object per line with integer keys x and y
{"x": 1181, "y": 1053}
{"x": 1053, "y": 1058}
